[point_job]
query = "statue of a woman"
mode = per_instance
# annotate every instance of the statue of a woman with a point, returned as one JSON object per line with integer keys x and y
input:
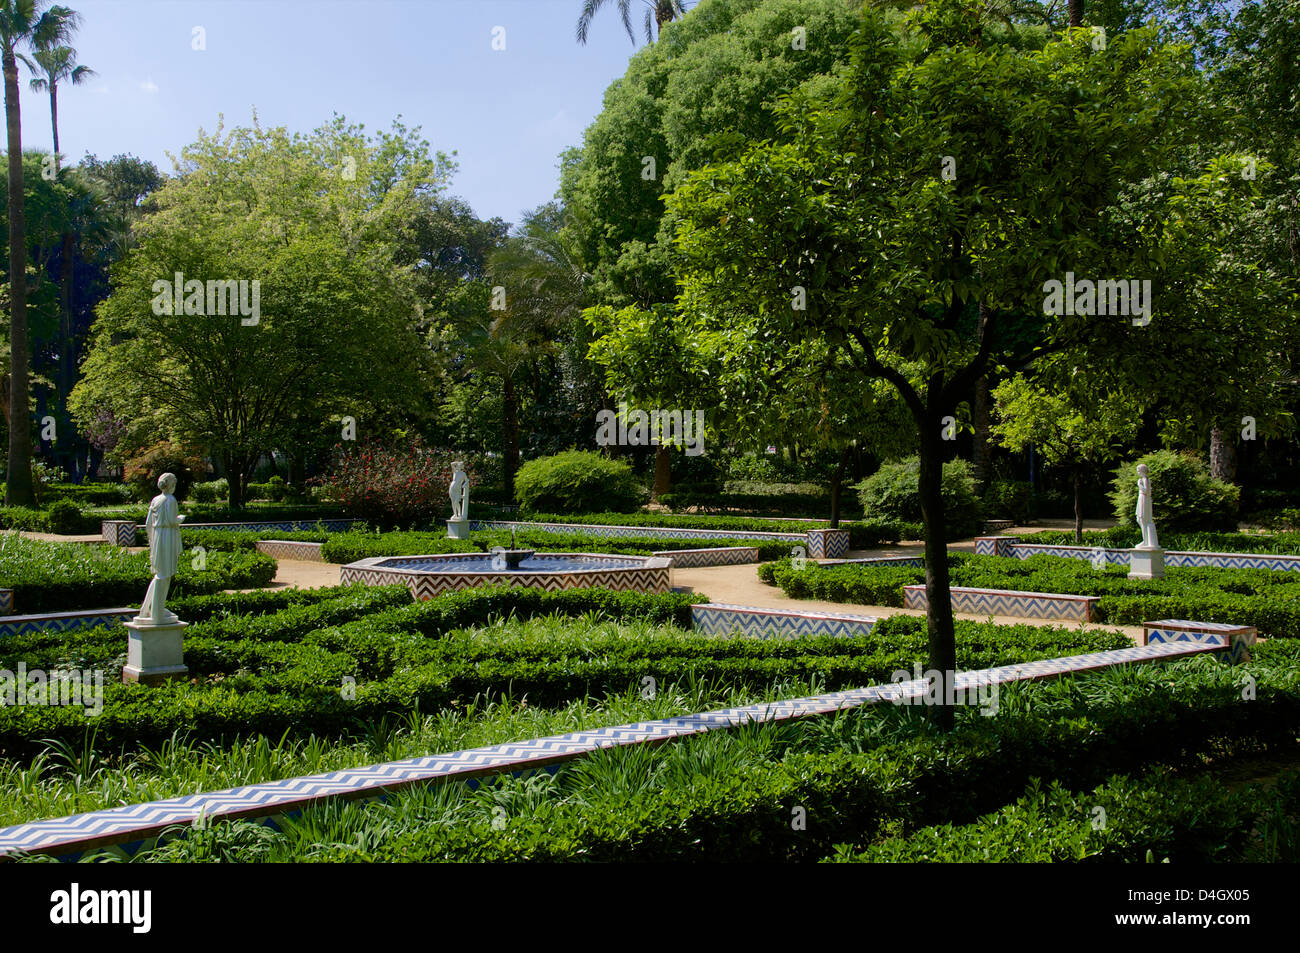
{"x": 163, "y": 527}
{"x": 459, "y": 491}
{"x": 1145, "y": 520}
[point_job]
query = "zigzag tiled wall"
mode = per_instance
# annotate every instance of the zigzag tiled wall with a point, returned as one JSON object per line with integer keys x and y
{"x": 288, "y": 526}
{"x": 828, "y": 543}
{"x": 133, "y": 825}
{"x": 118, "y": 532}
{"x": 6, "y": 600}
{"x": 716, "y": 618}
{"x": 878, "y": 561}
{"x": 287, "y": 549}
{"x": 724, "y": 556}
{"x": 1236, "y": 638}
{"x": 1005, "y": 602}
{"x": 613, "y": 532}
{"x": 63, "y": 621}
{"x": 652, "y": 577}
{"x": 1007, "y": 546}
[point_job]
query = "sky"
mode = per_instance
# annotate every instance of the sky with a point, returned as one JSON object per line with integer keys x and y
{"x": 507, "y": 113}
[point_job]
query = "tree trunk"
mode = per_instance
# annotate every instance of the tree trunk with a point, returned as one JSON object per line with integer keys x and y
{"x": 509, "y": 435}
{"x": 980, "y": 452}
{"x": 54, "y": 121}
{"x": 18, "y": 486}
{"x": 66, "y": 342}
{"x": 940, "y": 628}
{"x": 1223, "y": 455}
{"x": 1076, "y": 12}
{"x": 1078, "y": 510}
{"x": 837, "y": 484}
{"x": 663, "y": 471}
{"x": 234, "y": 467}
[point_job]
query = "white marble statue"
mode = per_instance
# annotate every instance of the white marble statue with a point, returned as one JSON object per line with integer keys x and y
{"x": 1145, "y": 520}
{"x": 163, "y": 528}
{"x": 459, "y": 491}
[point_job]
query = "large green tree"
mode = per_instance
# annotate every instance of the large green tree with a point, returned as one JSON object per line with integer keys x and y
{"x": 332, "y": 326}
{"x": 852, "y": 205}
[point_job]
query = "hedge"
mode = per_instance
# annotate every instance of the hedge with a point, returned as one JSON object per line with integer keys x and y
{"x": 1080, "y": 731}
{"x": 272, "y": 674}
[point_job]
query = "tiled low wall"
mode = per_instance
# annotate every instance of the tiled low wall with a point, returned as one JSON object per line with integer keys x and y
{"x": 1025, "y": 605}
{"x": 878, "y": 561}
{"x": 118, "y": 532}
{"x": 636, "y": 532}
{"x": 132, "y": 826}
{"x": 1008, "y": 546}
{"x": 828, "y": 543}
{"x": 653, "y": 576}
{"x": 716, "y": 618}
{"x": 287, "y": 526}
{"x": 6, "y": 600}
{"x": 1237, "y": 639}
{"x": 63, "y": 621}
{"x": 288, "y": 549}
{"x": 722, "y": 556}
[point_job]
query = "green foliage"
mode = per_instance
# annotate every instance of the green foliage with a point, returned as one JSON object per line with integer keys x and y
{"x": 893, "y": 493}
{"x": 211, "y": 492}
{"x": 54, "y": 577}
{"x": 64, "y": 518}
{"x": 1010, "y": 499}
{"x": 577, "y": 481}
{"x": 1184, "y": 495}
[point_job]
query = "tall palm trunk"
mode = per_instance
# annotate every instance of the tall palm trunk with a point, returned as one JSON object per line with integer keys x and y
{"x": 18, "y": 486}
{"x": 54, "y": 121}
{"x": 1076, "y": 12}
{"x": 509, "y": 434}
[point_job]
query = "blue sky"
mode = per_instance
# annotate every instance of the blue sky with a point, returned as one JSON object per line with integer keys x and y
{"x": 508, "y": 113}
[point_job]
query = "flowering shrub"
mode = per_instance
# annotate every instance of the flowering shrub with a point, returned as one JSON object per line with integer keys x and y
{"x": 391, "y": 486}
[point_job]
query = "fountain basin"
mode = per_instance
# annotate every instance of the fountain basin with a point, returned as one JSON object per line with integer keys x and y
{"x": 429, "y": 576}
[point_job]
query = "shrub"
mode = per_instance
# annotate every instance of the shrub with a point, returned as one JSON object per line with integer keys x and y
{"x": 64, "y": 517}
{"x": 214, "y": 491}
{"x": 142, "y": 470}
{"x": 275, "y": 489}
{"x": 892, "y": 493}
{"x": 1010, "y": 499}
{"x": 1184, "y": 495}
{"x": 392, "y": 486}
{"x": 577, "y": 481}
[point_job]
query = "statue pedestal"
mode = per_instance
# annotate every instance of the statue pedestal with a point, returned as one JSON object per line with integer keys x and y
{"x": 458, "y": 529}
{"x": 154, "y": 653}
{"x": 1146, "y": 563}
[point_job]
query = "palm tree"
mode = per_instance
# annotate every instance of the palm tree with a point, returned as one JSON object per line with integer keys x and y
{"x": 53, "y": 66}
{"x": 658, "y": 13}
{"x": 22, "y": 24}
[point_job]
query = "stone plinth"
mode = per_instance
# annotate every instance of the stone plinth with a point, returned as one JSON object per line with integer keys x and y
{"x": 154, "y": 653}
{"x": 1146, "y": 563}
{"x": 458, "y": 529}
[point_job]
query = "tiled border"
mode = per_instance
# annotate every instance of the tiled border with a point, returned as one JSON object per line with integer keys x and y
{"x": 1007, "y": 602}
{"x": 138, "y": 823}
{"x": 717, "y": 618}
{"x": 289, "y": 549}
{"x": 878, "y": 561}
{"x": 1007, "y": 546}
{"x": 659, "y": 532}
{"x": 64, "y": 621}
{"x": 118, "y": 532}
{"x": 288, "y": 526}
{"x": 722, "y": 556}
{"x": 1238, "y": 639}
{"x": 652, "y": 575}
{"x": 828, "y": 543}
{"x": 6, "y": 600}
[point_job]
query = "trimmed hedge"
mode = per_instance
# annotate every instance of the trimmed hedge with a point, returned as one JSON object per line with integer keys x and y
{"x": 272, "y": 674}
{"x": 54, "y": 577}
{"x": 577, "y": 481}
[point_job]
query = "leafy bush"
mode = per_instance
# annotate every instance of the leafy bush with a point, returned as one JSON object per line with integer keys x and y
{"x": 1010, "y": 499}
{"x": 1184, "y": 495}
{"x": 64, "y": 518}
{"x": 893, "y": 493}
{"x": 391, "y": 486}
{"x": 214, "y": 491}
{"x": 577, "y": 481}
{"x": 142, "y": 470}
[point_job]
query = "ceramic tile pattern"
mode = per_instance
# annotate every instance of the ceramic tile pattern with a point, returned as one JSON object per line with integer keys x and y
{"x": 1026, "y": 605}
{"x": 286, "y": 549}
{"x": 716, "y": 618}
{"x": 427, "y": 585}
{"x": 828, "y": 543}
{"x": 118, "y": 532}
{"x": 64, "y": 621}
{"x": 135, "y": 824}
{"x": 6, "y": 600}
{"x": 694, "y": 558}
{"x": 659, "y": 532}
{"x": 1007, "y": 546}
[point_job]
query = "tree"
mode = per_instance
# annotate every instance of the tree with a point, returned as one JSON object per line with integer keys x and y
{"x": 851, "y": 205}
{"x": 1072, "y": 415}
{"x": 53, "y": 65}
{"x": 292, "y": 310}
{"x": 22, "y": 24}
{"x": 658, "y": 13}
